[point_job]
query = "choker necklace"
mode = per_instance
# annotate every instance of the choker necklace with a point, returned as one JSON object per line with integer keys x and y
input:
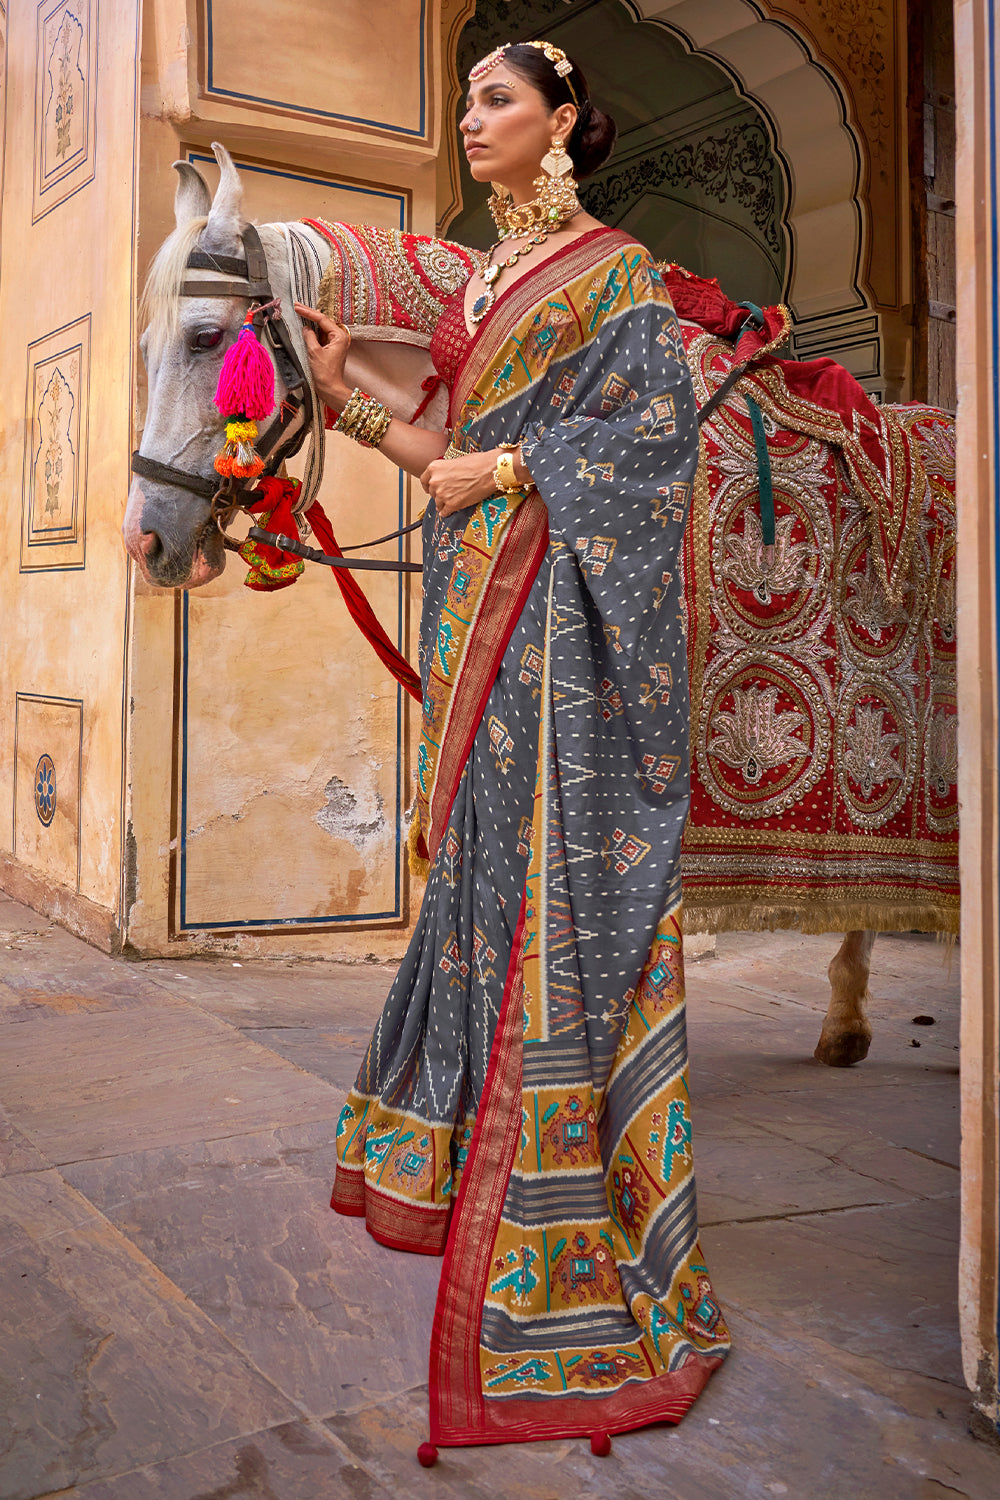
{"x": 491, "y": 274}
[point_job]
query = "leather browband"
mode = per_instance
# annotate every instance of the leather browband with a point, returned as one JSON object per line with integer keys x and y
{"x": 254, "y": 289}
{"x": 200, "y": 260}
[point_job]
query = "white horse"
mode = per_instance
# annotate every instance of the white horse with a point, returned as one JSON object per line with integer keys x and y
{"x": 170, "y": 529}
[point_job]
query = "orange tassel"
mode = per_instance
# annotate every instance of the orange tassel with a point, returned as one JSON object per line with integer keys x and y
{"x": 238, "y": 456}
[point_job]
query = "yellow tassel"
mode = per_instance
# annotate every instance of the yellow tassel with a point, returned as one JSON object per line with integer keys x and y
{"x": 419, "y": 866}
{"x": 238, "y": 456}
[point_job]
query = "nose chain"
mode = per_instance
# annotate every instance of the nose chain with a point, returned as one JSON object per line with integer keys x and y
{"x": 491, "y": 273}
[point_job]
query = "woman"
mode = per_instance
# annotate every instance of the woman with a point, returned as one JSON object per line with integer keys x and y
{"x": 532, "y": 1047}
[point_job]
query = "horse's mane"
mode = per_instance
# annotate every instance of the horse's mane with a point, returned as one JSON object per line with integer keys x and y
{"x": 161, "y": 297}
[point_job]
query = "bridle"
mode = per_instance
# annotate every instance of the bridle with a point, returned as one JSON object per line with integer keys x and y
{"x": 288, "y": 432}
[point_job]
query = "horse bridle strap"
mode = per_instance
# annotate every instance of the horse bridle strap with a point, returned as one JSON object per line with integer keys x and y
{"x": 276, "y": 444}
{"x": 151, "y": 468}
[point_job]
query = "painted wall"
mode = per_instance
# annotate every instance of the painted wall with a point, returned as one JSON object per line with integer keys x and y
{"x": 225, "y": 768}
{"x": 977, "y": 53}
{"x": 270, "y": 750}
{"x": 65, "y": 394}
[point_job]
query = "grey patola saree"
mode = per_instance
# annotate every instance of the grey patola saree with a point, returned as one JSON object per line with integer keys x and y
{"x": 523, "y": 1106}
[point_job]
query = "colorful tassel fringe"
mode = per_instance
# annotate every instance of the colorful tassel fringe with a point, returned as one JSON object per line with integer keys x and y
{"x": 246, "y": 380}
{"x": 245, "y": 394}
{"x": 238, "y": 456}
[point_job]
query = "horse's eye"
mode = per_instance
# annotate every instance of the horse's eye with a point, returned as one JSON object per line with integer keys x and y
{"x": 208, "y": 339}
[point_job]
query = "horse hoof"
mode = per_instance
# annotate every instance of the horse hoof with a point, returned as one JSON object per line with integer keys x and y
{"x": 843, "y": 1050}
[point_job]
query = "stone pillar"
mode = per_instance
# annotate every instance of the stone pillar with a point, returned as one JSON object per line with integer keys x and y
{"x": 977, "y": 25}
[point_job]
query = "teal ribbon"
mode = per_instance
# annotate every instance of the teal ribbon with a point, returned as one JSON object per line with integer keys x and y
{"x": 765, "y": 488}
{"x": 756, "y": 318}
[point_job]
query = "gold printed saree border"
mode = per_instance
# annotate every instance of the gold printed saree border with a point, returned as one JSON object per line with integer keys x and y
{"x": 520, "y": 550}
{"x": 546, "y": 279}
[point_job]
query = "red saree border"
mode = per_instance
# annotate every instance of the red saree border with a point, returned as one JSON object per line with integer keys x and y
{"x": 457, "y": 1405}
{"x": 516, "y": 301}
{"x": 664, "y": 1398}
{"x": 399, "y": 1225}
{"x": 522, "y": 549}
{"x": 460, "y": 1415}
{"x": 348, "y": 1196}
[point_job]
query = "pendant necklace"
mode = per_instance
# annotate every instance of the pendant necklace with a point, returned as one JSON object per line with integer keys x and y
{"x": 491, "y": 273}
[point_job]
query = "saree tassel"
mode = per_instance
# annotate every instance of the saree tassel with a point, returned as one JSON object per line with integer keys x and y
{"x": 238, "y": 457}
{"x": 246, "y": 380}
{"x": 419, "y": 859}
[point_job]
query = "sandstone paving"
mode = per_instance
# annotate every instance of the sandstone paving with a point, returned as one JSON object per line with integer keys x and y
{"x": 105, "y": 1362}
{"x": 193, "y": 1323}
{"x": 98, "y": 1084}
{"x": 243, "y": 1227}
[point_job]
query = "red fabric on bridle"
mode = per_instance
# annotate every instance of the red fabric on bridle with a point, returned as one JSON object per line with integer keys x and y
{"x": 360, "y": 610}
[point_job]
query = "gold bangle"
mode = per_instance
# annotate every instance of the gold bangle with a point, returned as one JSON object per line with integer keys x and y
{"x": 364, "y": 419}
{"x": 504, "y": 476}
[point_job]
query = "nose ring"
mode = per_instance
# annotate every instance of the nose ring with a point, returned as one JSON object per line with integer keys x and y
{"x": 474, "y": 126}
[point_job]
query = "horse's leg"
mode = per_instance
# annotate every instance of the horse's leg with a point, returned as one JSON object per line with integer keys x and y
{"x": 846, "y": 1034}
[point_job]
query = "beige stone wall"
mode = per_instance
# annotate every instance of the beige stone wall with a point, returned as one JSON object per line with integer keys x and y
{"x": 288, "y": 743}
{"x": 225, "y": 768}
{"x": 66, "y": 296}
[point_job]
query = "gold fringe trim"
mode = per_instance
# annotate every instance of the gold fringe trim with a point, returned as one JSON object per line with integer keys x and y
{"x": 418, "y": 865}
{"x": 820, "y": 917}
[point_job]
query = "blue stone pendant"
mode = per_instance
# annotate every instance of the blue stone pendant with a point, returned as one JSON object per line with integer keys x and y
{"x": 482, "y": 305}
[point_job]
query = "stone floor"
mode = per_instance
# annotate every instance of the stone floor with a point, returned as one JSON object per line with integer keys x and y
{"x": 181, "y": 1317}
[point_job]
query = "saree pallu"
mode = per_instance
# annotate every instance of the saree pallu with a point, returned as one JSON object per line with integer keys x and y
{"x": 523, "y": 1104}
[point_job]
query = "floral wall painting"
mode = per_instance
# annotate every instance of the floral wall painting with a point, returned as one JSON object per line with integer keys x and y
{"x": 65, "y": 100}
{"x": 55, "y": 461}
{"x": 53, "y": 531}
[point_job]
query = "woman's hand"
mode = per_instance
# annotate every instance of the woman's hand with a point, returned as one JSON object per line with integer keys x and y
{"x": 457, "y": 483}
{"x": 326, "y": 346}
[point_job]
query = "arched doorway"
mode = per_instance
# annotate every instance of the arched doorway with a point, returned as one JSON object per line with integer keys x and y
{"x": 694, "y": 175}
{"x": 737, "y": 156}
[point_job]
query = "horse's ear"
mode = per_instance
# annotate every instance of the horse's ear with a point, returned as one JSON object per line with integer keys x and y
{"x": 192, "y": 199}
{"x": 225, "y": 217}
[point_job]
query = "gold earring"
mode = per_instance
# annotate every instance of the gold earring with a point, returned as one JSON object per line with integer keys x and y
{"x": 557, "y": 162}
{"x": 555, "y": 186}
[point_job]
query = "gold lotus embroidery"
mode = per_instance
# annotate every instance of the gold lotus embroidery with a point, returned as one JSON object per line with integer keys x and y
{"x": 748, "y": 568}
{"x": 870, "y": 754}
{"x": 867, "y": 603}
{"x": 756, "y": 737}
{"x": 942, "y": 752}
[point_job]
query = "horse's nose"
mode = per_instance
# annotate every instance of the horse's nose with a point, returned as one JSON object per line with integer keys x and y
{"x": 150, "y": 545}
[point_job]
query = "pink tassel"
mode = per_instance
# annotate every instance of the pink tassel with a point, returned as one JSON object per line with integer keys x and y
{"x": 246, "y": 380}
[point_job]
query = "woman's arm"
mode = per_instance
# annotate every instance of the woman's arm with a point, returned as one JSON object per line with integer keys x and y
{"x": 409, "y": 448}
{"x": 453, "y": 484}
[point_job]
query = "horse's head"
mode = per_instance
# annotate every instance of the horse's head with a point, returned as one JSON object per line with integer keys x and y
{"x": 169, "y": 530}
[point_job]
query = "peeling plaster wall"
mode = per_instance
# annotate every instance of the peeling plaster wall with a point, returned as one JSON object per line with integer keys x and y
{"x": 280, "y": 826}
{"x": 65, "y": 325}
{"x": 227, "y": 769}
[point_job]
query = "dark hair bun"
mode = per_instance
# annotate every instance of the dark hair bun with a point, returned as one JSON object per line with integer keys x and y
{"x": 592, "y": 141}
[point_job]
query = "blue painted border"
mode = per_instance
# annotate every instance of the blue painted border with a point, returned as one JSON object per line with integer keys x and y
{"x": 994, "y": 171}
{"x": 27, "y": 697}
{"x": 356, "y": 919}
{"x": 321, "y": 114}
